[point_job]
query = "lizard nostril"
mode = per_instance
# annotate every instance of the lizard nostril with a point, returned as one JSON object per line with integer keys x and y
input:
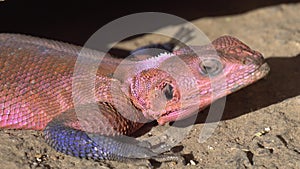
{"x": 255, "y": 58}
{"x": 247, "y": 60}
{"x": 259, "y": 57}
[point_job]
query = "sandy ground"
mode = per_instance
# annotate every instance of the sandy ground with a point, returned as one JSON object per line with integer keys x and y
{"x": 261, "y": 123}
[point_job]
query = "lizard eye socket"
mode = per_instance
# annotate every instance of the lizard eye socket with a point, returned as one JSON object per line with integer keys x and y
{"x": 210, "y": 67}
{"x": 168, "y": 91}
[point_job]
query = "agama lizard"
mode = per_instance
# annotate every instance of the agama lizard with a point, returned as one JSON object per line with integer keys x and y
{"x": 37, "y": 91}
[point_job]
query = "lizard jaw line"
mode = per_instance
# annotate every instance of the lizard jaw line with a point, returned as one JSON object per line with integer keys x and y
{"x": 169, "y": 116}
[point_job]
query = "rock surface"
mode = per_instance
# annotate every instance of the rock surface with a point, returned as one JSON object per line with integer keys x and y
{"x": 260, "y": 127}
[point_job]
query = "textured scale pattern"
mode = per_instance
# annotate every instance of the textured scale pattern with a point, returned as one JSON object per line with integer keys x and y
{"x": 26, "y": 92}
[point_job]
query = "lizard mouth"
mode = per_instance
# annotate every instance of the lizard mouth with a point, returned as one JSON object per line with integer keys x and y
{"x": 178, "y": 114}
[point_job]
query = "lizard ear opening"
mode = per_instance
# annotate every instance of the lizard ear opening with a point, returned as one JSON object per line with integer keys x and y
{"x": 168, "y": 91}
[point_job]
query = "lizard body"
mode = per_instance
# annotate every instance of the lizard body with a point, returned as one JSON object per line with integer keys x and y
{"x": 37, "y": 91}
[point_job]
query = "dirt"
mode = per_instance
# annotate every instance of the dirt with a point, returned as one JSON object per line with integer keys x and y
{"x": 260, "y": 127}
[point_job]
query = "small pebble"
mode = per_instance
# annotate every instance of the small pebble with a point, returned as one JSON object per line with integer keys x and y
{"x": 192, "y": 162}
{"x": 210, "y": 147}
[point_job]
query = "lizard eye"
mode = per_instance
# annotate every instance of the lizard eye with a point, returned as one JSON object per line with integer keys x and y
{"x": 210, "y": 67}
{"x": 168, "y": 91}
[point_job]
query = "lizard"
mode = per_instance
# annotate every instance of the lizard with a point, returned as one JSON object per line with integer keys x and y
{"x": 37, "y": 91}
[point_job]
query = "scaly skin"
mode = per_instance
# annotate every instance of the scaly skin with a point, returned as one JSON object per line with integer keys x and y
{"x": 38, "y": 88}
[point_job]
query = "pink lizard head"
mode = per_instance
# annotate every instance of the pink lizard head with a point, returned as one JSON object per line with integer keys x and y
{"x": 192, "y": 78}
